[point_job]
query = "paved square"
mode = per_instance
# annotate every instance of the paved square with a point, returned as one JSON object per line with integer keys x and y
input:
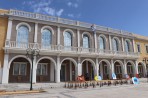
{"x": 120, "y": 91}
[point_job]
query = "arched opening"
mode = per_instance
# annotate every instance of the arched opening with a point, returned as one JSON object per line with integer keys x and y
{"x": 19, "y": 71}
{"x": 67, "y": 72}
{"x": 102, "y": 43}
{"x": 116, "y": 44}
{"x": 67, "y": 40}
{"x": 141, "y": 70}
{"x": 130, "y": 69}
{"x": 104, "y": 70}
{"x": 88, "y": 70}
{"x": 118, "y": 70}
{"x": 45, "y": 71}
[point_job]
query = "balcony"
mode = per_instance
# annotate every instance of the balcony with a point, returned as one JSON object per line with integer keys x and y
{"x": 14, "y": 47}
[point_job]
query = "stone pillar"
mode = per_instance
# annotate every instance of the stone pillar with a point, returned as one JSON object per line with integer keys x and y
{"x": 123, "y": 49}
{"x": 52, "y": 68}
{"x": 58, "y": 35}
{"x": 9, "y": 29}
{"x": 112, "y": 68}
{"x": 110, "y": 42}
{"x": 125, "y": 67}
{"x": 70, "y": 68}
{"x": 78, "y": 35}
{"x": 79, "y": 72}
{"x": 58, "y": 68}
{"x": 134, "y": 47}
{"x": 95, "y": 41}
{"x": 136, "y": 67}
{"x": 36, "y": 33}
{"x": 5, "y": 71}
{"x": 97, "y": 68}
{"x": 86, "y": 66}
{"x": 34, "y": 71}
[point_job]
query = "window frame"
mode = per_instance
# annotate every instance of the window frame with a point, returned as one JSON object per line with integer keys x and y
{"x": 41, "y": 73}
{"x": 20, "y": 68}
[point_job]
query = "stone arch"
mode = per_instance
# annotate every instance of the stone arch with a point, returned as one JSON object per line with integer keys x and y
{"x": 49, "y": 58}
{"x": 133, "y": 66}
{"x": 70, "y": 31}
{"x": 93, "y": 63}
{"x": 18, "y": 56}
{"x": 119, "y": 75}
{"x": 23, "y": 23}
{"x": 47, "y": 27}
{"x": 144, "y": 68}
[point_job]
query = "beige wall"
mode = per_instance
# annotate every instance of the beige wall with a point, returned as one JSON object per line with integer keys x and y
{"x": 3, "y": 31}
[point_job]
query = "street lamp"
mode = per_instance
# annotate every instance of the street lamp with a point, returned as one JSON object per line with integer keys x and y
{"x": 145, "y": 60}
{"x": 32, "y": 53}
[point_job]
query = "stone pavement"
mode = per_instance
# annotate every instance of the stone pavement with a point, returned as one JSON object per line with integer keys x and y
{"x": 120, "y": 91}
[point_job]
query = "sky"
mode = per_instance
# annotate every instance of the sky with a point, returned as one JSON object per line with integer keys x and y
{"x": 128, "y": 15}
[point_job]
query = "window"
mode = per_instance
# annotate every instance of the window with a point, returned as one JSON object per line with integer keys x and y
{"x": 42, "y": 69}
{"x": 118, "y": 69}
{"x": 46, "y": 38}
{"x": 130, "y": 69}
{"x": 115, "y": 44}
{"x": 67, "y": 40}
{"x": 101, "y": 43}
{"x": 22, "y": 36}
{"x": 138, "y": 48}
{"x": 140, "y": 69}
{"x": 85, "y": 41}
{"x": 127, "y": 46}
{"x": 105, "y": 69}
{"x": 146, "y": 49}
{"x": 19, "y": 68}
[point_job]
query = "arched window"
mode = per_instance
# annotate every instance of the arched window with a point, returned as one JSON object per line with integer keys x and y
{"x": 22, "y": 36}
{"x": 85, "y": 41}
{"x": 127, "y": 46}
{"x": 101, "y": 43}
{"x": 46, "y": 38}
{"x": 115, "y": 44}
{"x": 67, "y": 39}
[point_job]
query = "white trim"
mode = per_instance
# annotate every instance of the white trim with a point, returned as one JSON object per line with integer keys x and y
{"x": 71, "y": 59}
{"x": 87, "y": 33}
{"x": 49, "y": 28}
{"x": 49, "y": 58}
{"x": 19, "y": 56}
{"x": 23, "y": 23}
{"x": 92, "y": 63}
{"x": 70, "y": 31}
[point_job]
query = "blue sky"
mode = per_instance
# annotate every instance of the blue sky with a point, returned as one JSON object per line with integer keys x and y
{"x": 128, "y": 15}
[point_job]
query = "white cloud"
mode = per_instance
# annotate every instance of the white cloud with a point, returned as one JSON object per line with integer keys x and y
{"x": 44, "y": 7}
{"x": 71, "y": 15}
{"x": 74, "y": 16}
{"x": 70, "y": 4}
{"x": 59, "y": 13}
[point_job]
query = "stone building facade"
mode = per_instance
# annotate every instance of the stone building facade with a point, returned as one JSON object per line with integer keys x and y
{"x": 67, "y": 49}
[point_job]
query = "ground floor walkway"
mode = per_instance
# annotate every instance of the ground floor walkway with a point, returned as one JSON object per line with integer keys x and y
{"x": 120, "y": 91}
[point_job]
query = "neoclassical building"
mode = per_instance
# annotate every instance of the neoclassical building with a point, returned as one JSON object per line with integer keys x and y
{"x": 67, "y": 48}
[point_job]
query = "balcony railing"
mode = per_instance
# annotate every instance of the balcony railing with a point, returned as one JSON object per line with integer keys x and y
{"x": 65, "y": 49}
{"x": 64, "y": 21}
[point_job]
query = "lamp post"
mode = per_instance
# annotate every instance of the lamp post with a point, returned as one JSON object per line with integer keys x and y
{"x": 145, "y": 60}
{"x": 32, "y": 53}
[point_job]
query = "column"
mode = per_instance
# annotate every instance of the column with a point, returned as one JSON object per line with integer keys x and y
{"x": 34, "y": 71}
{"x": 123, "y": 49}
{"x": 78, "y": 35}
{"x": 79, "y": 69}
{"x": 97, "y": 68}
{"x": 52, "y": 73}
{"x": 86, "y": 66}
{"x": 36, "y": 32}
{"x": 5, "y": 71}
{"x": 70, "y": 68}
{"x": 112, "y": 68}
{"x": 136, "y": 67}
{"x": 110, "y": 42}
{"x": 57, "y": 80}
{"x": 9, "y": 29}
{"x": 95, "y": 41}
{"x": 58, "y": 35}
{"x": 134, "y": 47}
{"x": 125, "y": 67}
